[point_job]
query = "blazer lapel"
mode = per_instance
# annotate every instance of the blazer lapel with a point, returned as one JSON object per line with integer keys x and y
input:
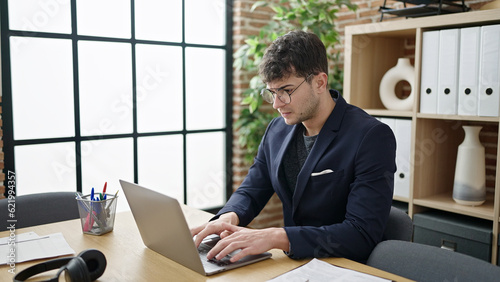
{"x": 283, "y": 191}
{"x": 325, "y": 138}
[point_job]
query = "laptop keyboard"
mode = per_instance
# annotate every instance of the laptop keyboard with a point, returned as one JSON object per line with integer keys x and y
{"x": 203, "y": 249}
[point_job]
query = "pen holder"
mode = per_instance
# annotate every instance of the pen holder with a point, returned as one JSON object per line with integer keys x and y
{"x": 97, "y": 217}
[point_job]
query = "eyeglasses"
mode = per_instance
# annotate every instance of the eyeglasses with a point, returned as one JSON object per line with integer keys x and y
{"x": 268, "y": 94}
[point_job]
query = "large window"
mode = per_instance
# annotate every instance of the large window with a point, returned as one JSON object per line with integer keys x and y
{"x": 95, "y": 91}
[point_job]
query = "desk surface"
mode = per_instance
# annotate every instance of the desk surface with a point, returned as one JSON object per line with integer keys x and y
{"x": 129, "y": 260}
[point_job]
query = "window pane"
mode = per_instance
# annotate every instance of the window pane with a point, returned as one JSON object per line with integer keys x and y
{"x": 105, "y": 71}
{"x": 205, "y": 88}
{"x": 206, "y": 175}
{"x": 36, "y": 15}
{"x": 206, "y": 21}
{"x": 45, "y": 168}
{"x": 42, "y": 88}
{"x": 159, "y": 88}
{"x": 158, "y": 20}
{"x": 110, "y": 18}
{"x": 160, "y": 161}
{"x": 107, "y": 161}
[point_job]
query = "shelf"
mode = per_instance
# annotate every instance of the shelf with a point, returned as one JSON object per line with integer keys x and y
{"x": 401, "y": 199}
{"x": 374, "y": 48}
{"x": 428, "y": 2}
{"x": 421, "y": 10}
{"x": 445, "y": 202}
{"x": 424, "y": 8}
{"x": 389, "y": 113}
{"x": 457, "y": 117}
{"x": 409, "y": 27}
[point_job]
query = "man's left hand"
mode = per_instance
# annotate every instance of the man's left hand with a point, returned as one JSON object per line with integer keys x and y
{"x": 250, "y": 241}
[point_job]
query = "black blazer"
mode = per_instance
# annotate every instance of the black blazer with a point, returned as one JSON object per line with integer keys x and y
{"x": 344, "y": 191}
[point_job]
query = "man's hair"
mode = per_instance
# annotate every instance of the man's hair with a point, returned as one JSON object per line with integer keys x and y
{"x": 297, "y": 52}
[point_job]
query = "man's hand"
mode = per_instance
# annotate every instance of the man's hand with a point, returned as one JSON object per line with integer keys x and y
{"x": 233, "y": 237}
{"x": 250, "y": 241}
{"x": 214, "y": 227}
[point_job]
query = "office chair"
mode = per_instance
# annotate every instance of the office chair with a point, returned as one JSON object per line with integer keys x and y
{"x": 36, "y": 209}
{"x": 429, "y": 263}
{"x": 399, "y": 226}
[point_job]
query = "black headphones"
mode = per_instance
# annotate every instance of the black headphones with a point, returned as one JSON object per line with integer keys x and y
{"x": 87, "y": 266}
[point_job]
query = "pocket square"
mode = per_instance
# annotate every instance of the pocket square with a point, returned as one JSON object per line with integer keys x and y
{"x": 326, "y": 171}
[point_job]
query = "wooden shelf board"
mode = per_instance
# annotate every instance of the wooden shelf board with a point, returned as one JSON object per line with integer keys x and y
{"x": 457, "y": 117}
{"x": 408, "y": 26}
{"x": 401, "y": 199}
{"x": 444, "y": 201}
{"x": 383, "y": 112}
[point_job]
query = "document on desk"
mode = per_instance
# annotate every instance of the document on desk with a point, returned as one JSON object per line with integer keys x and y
{"x": 317, "y": 270}
{"x": 31, "y": 246}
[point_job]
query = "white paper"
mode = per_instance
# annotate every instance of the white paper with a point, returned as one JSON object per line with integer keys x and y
{"x": 317, "y": 270}
{"x": 20, "y": 238}
{"x": 30, "y": 246}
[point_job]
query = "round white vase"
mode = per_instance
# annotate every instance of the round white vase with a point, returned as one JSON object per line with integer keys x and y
{"x": 469, "y": 187}
{"x": 403, "y": 70}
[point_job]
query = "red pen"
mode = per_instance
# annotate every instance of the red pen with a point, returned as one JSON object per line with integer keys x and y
{"x": 104, "y": 190}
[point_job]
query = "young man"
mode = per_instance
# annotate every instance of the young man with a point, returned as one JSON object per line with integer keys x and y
{"x": 331, "y": 164}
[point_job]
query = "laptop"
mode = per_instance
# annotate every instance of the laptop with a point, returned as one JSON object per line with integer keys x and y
{"x": 164, "y": 230}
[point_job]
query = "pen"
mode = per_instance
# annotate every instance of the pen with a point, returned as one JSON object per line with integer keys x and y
{"x": 91, "y": 216}
{"x": 92, "y": 194}
{"x": 110, "y": 202}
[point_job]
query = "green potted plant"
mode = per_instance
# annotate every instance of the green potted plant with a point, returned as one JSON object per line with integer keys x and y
{"x": 316, "y": 16}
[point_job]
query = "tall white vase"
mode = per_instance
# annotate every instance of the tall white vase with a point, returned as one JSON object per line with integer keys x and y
{"x": 403, "y": 70}
{"x": 470, "y": 175}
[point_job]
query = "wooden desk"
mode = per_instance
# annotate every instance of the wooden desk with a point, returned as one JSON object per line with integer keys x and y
{"x": 129, "y": 260}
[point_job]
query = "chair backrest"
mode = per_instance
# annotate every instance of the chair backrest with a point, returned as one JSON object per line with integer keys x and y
{"x": 41, "y": 208}
{"x": 423, "y": 263}
{"x": 399, "y": 226}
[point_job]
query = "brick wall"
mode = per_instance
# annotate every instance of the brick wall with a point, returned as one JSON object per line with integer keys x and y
{"x": 247, "y": 23}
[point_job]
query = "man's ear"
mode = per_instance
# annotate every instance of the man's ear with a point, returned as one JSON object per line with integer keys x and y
{"x": 321, "y": 82}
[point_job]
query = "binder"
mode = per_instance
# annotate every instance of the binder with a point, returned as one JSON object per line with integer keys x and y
{"x": 489, "y": 71}
{"x": 468, "y": 72}
{"x": 402, "y": 175}
{"x": 429, "y": 75}
{"x": 449, "y": 47}
{"x": 402, "y": 131}
{"x": 391, "y": 122}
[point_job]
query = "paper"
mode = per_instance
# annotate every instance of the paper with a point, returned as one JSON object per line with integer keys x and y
{"x": 30, "y": 246}
{"x": 317, "y": 270}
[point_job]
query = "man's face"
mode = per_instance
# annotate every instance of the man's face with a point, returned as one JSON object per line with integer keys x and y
{"x": 303, "y": 101}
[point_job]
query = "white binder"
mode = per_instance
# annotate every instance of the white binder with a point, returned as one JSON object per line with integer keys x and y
{"x": 402, "y": 175}
{"x": 468, "y": 72}
{"x": 402, "y": 131}
{"x": 489, "y": 71}
{"x": 449, "y": 48}
{"x": 429, "y": 75}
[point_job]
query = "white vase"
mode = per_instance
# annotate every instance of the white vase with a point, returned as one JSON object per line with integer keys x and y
{"x": 403, "y": 70}
{"x": 470, "y": 175}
